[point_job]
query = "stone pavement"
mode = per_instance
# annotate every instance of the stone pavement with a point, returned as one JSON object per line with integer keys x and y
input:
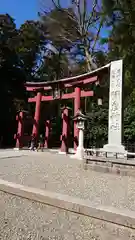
{"x": 59, "y": 173}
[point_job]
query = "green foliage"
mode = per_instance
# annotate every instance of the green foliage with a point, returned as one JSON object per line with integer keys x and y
{"x": 18, "y": 57}
{"x": 11, "y": 75}
{"x": 129, "y": 119}
{"x": 30, "y": 43}
{"x": 97, "y": 126}
{"x": 55, "y": 66}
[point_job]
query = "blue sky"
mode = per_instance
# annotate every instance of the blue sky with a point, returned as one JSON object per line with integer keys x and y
{"x": 20, "y": 10}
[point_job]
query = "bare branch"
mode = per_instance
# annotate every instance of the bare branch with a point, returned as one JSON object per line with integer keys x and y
{"x": 84, "y": 14}
{"x": 81, "y": 21}
{"x": 97, "y": 35}
{"x": 56, "y": 5}
{"x": 91, "y": 18}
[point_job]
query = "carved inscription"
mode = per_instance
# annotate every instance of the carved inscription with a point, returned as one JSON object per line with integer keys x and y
{"x": 115, "y": 99}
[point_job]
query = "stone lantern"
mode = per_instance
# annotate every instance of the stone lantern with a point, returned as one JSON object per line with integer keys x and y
{"x": 80, "y": 119}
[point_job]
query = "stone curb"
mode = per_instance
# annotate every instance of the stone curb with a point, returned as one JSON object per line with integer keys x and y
{"x": 108, "y": 169}
{"x": 5, "y": 157}
{"x": 120, "y": 217}
{"x": 22, "y": 153}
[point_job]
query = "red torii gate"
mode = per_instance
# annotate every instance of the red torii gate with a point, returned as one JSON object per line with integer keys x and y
{"x": 77, "y": 83}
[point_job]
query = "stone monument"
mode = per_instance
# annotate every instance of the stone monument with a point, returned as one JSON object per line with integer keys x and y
{"x": 115, "y": 109}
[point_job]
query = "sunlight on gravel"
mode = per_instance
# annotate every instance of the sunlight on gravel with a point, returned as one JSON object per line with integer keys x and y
{"x": 61, "y": 174}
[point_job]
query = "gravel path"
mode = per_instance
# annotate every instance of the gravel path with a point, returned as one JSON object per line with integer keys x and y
{"x": 21, "y": 219}
{"x": 60, "y": 174}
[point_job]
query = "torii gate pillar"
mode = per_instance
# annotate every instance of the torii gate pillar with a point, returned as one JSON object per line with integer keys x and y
{"x": 19, "y": 131}
{"x": 37, "y": 115}
{"x": 65, "y": 130}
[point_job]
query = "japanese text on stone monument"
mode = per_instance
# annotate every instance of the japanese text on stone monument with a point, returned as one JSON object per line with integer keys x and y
{"x": 115, "y": 98}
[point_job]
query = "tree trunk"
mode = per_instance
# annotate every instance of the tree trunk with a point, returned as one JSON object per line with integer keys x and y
{"x": 90, "y": 64}
{"x": 89, "y": 69}
{"x": 88, "y": 57}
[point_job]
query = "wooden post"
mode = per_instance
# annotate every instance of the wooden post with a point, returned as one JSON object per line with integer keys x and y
{"x": 47, "y": 133}
{"x": 65, "y": 130}
{"x": 19, "y": 136}
{"x": 37, "y": 115}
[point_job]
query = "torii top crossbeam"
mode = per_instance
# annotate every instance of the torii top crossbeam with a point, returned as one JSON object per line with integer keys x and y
{"x": 68, "y": 82}
{"x": 76, "y": 81}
